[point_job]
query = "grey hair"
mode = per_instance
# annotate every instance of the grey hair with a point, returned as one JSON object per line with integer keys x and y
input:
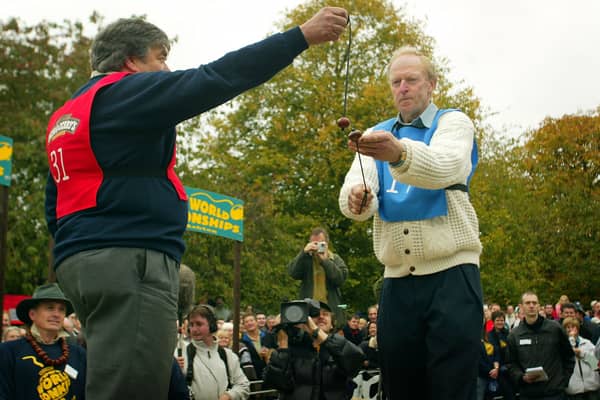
{"x": 124, "y": 38}
{"x": 413, "y": 51}
{"x": 9, "y": 329}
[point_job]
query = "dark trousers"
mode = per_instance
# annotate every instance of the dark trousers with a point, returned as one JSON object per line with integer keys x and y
{"x": 506, "y": 386}
{"x": 429, "y": 330}
{"x": 560, "y": 396}
{"x": 595, "y": 395}
{"x": 126, "y": 300}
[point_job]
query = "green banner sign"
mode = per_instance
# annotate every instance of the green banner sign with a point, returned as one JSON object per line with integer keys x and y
{"x": 215, "y": 214}
{"x": 6, "y": 149}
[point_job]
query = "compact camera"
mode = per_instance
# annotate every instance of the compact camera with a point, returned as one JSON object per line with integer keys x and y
{"x": 321, "y": 247}
{"x": 298, "y": 311}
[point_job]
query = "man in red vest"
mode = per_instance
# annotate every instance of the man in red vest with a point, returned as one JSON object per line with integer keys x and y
{"x": 114, "y": 205}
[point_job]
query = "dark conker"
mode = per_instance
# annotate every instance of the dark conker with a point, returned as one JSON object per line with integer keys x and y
{"x": 343, "y": 122}
{"x": 354, "y": 135}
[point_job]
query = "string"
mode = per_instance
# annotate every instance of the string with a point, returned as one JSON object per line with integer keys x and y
{"x": 362, "y": 172}
{"x": 347, "y": 66}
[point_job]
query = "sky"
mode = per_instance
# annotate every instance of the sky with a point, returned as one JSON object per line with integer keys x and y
{"x": 526, "y": 59}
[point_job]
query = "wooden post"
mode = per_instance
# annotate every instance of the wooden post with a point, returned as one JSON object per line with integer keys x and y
{"x": 3, "y": 240}
{"x": 237, "y": 256}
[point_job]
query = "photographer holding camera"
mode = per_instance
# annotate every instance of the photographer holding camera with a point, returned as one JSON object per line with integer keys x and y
{"x": 311, "y": 363}
{"x": 321, "y": 271}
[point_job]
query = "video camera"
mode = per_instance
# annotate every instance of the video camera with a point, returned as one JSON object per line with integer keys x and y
{"x": 298, "y": 311}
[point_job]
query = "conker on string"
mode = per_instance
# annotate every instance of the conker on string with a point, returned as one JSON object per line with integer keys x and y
{"x": 343, "y": 122}
{"x": 354, "y": 135}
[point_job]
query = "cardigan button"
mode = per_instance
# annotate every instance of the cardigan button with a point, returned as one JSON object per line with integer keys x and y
{"x": 406, "y": 231}
{"x": 412, "y": 269}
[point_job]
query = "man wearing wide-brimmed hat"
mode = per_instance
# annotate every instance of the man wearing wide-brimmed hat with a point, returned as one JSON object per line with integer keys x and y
{"x": 42, "y": 365}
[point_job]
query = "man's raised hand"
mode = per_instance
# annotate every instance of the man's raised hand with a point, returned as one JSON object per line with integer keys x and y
{"x": 325, "y": 26}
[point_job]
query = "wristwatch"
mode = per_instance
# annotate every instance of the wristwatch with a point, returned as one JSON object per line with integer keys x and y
{"x": 401, "y": 159}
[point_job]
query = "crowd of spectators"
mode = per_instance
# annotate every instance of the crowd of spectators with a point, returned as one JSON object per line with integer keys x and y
{"x": 562, "y": 339}
{"x": 500, "y": 374}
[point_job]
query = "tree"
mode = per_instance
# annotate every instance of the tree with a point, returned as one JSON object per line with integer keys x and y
{"x": 561, "y": 161}
{"x": 277, "y": 148}
{"x": 504, "y": 208}
{"x": 40, "y": 67}
{"x": 537, "y": 200}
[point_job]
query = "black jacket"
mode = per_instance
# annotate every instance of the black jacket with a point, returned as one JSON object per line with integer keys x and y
{"x": 355, "y": 337}
{"x": 543, "y": 344}
{"x": 500, "y": 341}
{"x": 371, "y": 355}
{"x": 257, "y": 361}
{"x": 302, "y": 373}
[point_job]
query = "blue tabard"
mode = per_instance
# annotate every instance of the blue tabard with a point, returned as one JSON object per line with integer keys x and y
{"x": 401, "y": 202}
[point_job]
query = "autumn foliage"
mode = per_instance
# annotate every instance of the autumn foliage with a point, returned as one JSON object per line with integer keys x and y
{"x": 278, "y": 148}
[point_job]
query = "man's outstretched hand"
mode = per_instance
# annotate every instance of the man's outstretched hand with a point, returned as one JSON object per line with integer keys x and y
{"x": 325, "y": 26}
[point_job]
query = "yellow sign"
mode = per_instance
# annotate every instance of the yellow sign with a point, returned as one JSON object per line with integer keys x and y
{"x": 215, "y": 214}
{"x": 6, "y": 150}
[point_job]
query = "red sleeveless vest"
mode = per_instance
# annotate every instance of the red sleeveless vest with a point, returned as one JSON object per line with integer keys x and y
{"x": 72, "y": 162}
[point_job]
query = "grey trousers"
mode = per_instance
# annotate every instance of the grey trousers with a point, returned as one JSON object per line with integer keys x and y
{"x": 126, "y": 299}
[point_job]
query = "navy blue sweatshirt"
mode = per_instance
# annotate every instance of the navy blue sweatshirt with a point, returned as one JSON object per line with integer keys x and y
{"x": 23, "y": 375}
{"x": 132, "y": 129}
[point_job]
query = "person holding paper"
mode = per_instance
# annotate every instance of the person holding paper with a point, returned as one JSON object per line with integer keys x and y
{"x": 540, "y": 357}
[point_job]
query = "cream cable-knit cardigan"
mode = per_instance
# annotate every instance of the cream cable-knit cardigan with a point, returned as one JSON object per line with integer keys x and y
{"x": 427, "y": 246}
